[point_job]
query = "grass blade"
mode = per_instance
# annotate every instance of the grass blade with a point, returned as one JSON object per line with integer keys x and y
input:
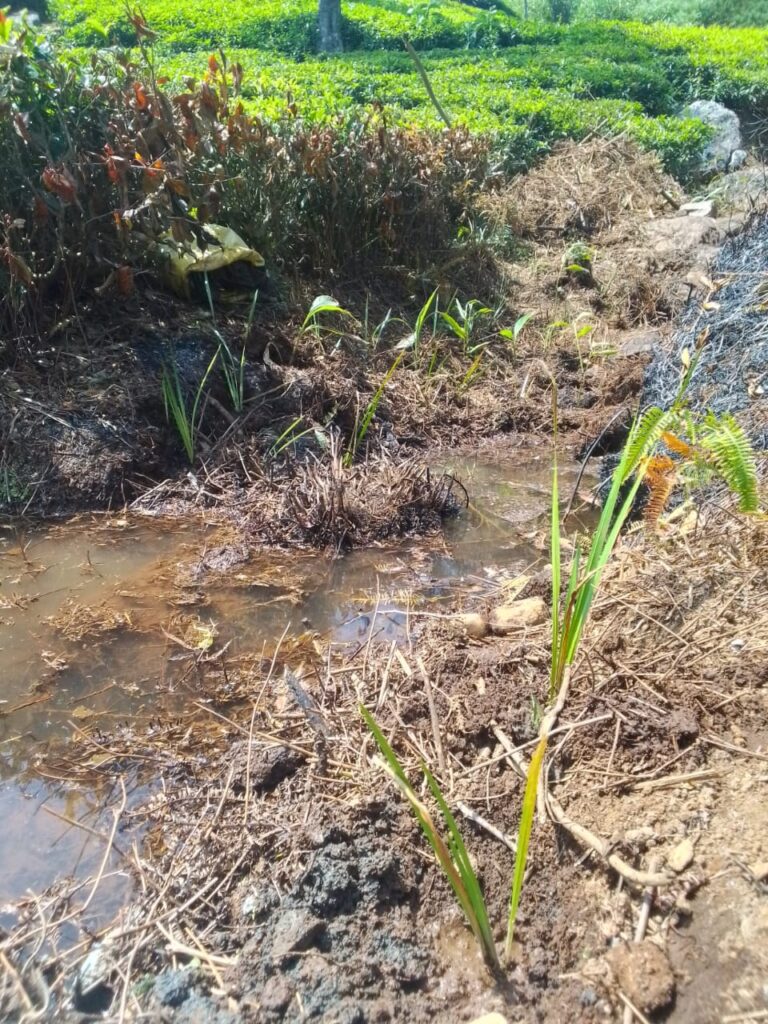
{"x": 523, "y": 840}
{"x": 452, "y": 857}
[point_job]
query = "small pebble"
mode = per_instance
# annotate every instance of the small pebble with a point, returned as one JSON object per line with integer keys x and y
{"x": 681, "y": 856}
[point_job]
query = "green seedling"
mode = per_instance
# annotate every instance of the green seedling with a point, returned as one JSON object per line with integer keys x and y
{"x": 450, "y": 851}
{"x": 514, "y": 334}
{"x": 323, "y": 305}
{"x": 464, "y": 324}
{"x": 187, "y": 422}
{"x": 370, "y": 411}
{"x": 413, "y": 340}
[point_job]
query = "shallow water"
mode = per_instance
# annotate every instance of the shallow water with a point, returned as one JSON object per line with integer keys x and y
{"x": 140, "y": 576}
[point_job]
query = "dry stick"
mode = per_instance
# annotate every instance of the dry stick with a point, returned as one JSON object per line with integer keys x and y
{"x": 579, "y": 832}
{"x": 433, "y": 716}
{"x": 567, "y": 727}
{"x": 679, "y": 780}
{"x": 642, "y": 924}
{"x": 174, "y": 946}
{"x": 15, "y": 977}
{"x": 633, "y": 1010}
{"x": 425, "y": 79}
{"x": 117, "y": 816}
{"x": 588, "y": 456}
{"x": 473, "y": 816}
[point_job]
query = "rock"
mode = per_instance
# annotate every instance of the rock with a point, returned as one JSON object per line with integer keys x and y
{"x": 726, "y": 141}
{"x": 737, "y": 161}
{"x": 172, "y": 988}
{"x": 643, "y": 974}
{"x": 296, "y": 931}
{"x": 681, "y": 856}
{"x": 531, "y": 611}
{"x": 673, "y": 235}
{"x": 760, "y": 870}
{"x": 701, "y": 208}
{"x": 475, "y": 625}
{"x": 489, "y": 1018}
{"x": 639, "y": 343}
{"x": 93, "y": 994}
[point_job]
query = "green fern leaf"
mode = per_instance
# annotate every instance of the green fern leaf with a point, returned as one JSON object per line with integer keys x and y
{"x": 733, "y": 458}
{"x": 645, "y": 433}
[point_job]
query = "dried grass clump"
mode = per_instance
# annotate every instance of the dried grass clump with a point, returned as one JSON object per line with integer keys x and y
{"x": 76, "y": 621}
{"x": 330, "y": 504}
{"x": 583, "y": 189}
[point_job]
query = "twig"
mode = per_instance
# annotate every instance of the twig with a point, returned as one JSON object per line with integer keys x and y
{"x": 633, "y": 1010}
{"x": 174, "y": 946}
{"x": 425, "y": 79}
{"x": 587, "y": 457}
{"x": 678, "y": 780}
{"x": 433, "y": 715}
{"x": 117, "y": 816}
{"x": 473, "y": 816}
{"x": 642, "y": 924}
{"x": 715, "y": 741}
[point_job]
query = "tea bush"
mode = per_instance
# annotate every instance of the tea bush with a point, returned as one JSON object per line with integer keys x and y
{"x": 99, "y": 163}
{"x": 495, "y": 96}
{"x": 288, "y": 26}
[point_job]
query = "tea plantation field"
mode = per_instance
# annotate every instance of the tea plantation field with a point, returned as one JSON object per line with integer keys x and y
{"x": 523, "y": 83}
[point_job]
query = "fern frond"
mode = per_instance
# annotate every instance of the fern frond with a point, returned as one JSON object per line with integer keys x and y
{"x": 646, "y": 431}
{"x": 733, "y": 458}
{"x": 660, "y": 477}
{"x": 677, "y": 444}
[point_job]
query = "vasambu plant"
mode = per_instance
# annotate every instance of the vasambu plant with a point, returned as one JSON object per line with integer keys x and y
{"x": 711, "y": 447}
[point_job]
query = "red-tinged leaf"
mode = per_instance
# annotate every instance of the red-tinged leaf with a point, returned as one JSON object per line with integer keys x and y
{"x": 213, "y": 64}
{"x": 140, "y": 95}
{"x": 40, "y": 211}
{"x": 60, "y": 183}
{"x": 124, "y": 280}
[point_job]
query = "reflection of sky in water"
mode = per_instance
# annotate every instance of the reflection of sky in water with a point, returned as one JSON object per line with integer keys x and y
{"x": 130, "y": 568}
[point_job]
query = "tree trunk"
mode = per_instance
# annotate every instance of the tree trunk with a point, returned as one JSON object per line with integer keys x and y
{"x": 329, "y": 25}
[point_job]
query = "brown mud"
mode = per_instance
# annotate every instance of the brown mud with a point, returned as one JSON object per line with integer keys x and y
{"x": 277, "y": 874}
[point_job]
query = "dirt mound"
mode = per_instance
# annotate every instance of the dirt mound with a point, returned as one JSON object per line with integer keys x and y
{"x": 584, "y": 189}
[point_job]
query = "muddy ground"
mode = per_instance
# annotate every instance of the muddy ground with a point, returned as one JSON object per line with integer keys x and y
{"x": 280, "y": 876}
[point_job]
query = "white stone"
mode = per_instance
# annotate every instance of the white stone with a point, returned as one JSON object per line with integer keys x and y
{"x": 681, "y": 856}
{"x": 726, "y": 141}
{"x": 701, "y": 208}
{"x": 531, "y": 611}
{"x": 475, "y": 625}
{"x": 738, "y": 159}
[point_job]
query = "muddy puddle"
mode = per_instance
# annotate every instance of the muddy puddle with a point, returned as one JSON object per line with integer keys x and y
{"x": 103, "y": 620}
